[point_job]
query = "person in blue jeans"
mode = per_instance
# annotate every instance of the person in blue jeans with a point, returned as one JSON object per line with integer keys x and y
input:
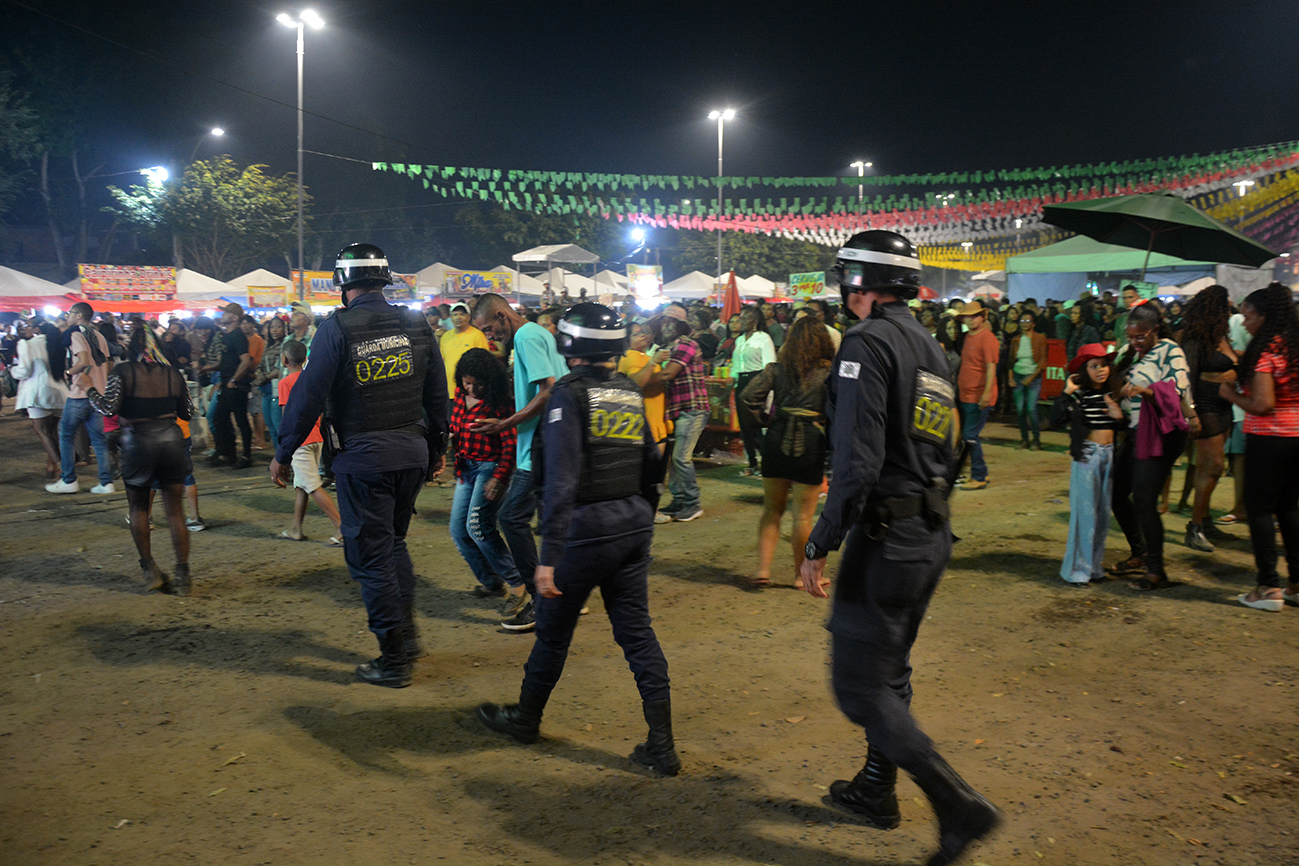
{"x": 1091, "y": 409}
{"x": 977, "y": 386}
{"x": 537, "y": 366}
{"x": 483, "y": 464}
{"x": 90, "y": 356}
{"x": 1028, "y": 362}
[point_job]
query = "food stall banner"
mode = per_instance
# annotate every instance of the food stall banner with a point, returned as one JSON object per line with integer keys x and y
{"x": 317, "y": 283}
{"x": 265, "y": 297}
{"x": 127, "y": 283}
{"x": 466, "y": 284}
{"x": 645, "y": 281}
{"x": 807, "y": 285}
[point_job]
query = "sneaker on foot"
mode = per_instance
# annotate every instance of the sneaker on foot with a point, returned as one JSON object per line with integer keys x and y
{"x": 63, "y": 487}
{"x": 659, "y": 517}
{"x": 481, "y": 591}
{"x": 524, "y": 620}
{"x": 195, "y": 524}
{"x": 974, "y": 485}
{"x": 103, "y": 489}
{"x": 513, "y": 603}
{"x": 688, "y": 515}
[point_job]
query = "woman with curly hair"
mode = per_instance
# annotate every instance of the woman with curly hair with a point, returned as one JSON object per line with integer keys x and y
{"x": 1269, "y": 394}
{"x": 483, "y": 465}
{"x": 1156, "y": 395}
{"x": 794, "y": 445}
{"x": 1211, "y": 362}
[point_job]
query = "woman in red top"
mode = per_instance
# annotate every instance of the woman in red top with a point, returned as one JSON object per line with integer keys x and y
{"x": 1269, "y": 374}
{"x": 483, "y": 466}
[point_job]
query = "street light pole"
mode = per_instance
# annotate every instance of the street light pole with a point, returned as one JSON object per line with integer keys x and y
{"x": 721, "y": 117}
{"x": 861, "y": 187}
{"x": 316, "y": 22}
{"x": 215, "y": 132}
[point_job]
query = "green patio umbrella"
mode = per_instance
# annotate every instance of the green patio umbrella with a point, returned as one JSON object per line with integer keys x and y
{"x": 1161, "y": 223}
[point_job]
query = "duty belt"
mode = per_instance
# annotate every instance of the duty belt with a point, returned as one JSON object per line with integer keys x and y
{"x": 930, "y": 504}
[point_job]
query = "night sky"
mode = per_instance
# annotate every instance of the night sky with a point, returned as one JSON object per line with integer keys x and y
{"x": 625, "y": 87}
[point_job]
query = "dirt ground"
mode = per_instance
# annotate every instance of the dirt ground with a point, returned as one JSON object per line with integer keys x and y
{"x": 1112, "y": 727}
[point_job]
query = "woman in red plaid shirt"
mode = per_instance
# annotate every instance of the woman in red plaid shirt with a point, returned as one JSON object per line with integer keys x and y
{"x": 483, "y": 464}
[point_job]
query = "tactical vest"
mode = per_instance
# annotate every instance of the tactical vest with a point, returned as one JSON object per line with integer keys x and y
{"x": 380, "y": 380}
{"x": 613, "y": 422}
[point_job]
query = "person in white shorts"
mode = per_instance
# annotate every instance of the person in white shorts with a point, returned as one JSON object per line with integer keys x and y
{"x": 306, "y": 460}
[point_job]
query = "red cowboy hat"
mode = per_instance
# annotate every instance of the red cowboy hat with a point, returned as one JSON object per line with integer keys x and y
{"x": 1086, "y": 353}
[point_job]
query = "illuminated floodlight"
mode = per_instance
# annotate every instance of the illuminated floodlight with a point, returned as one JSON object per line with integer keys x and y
{"x": 314, "y": 21}
{"x": 52, "y": 312}
{"x": 967, "y": 244}
{"x": 727, "y": 114}
{"x": 156, "y": 174}
{"x": 284, "y": 19}
{"x": 217, "y": 132}
{"x": 638, "y": 235}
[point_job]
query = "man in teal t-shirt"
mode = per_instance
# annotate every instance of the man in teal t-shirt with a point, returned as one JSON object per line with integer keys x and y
{"x": 537, "y": 366}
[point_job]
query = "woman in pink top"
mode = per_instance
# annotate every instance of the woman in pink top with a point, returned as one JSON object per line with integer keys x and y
{"x": 1269, "y": 376}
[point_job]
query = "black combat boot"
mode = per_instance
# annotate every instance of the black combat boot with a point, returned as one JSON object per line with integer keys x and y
{"x": 180, "y": 581}
{"x": 391, "y": 669}
{"x": 658, "y": 752}
{"x": 872, "y": 793}
{"x": 155, "y": 579}
{"x": 410, "y": 631}
{"x": 522, "y": 721}
{"x": 964, "y": 816}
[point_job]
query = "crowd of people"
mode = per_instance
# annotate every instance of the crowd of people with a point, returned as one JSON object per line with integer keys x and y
{"x": 238, "y": 372}
{"x": 578, "y": 413}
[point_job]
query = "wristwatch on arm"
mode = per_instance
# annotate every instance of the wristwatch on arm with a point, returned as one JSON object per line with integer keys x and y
{"x": 811, "y": 551}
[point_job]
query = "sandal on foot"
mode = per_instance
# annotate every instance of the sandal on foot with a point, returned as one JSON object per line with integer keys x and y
{"x": 758, "y": 582}
{"x": 1131, "y": 565}
{"x": 1228, "y": 520}
{"x": 1147, "y": 584}
{"x": 285, "y": 535}
{"x": 334, "y": 541}
{"x": 1270, "y": 604}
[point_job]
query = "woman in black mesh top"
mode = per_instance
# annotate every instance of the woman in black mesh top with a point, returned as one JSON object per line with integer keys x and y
{"x": 148, "y": 395}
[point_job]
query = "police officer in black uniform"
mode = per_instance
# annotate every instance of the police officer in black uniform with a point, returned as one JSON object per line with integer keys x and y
{"x": 600, "y": 471}
{"x": 894, "y": 434}
{"x": 376, "y": 373}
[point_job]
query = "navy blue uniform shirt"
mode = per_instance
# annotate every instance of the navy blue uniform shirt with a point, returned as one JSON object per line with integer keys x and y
{"x": 379, "y": 451}
{"x": 564, "y": 521}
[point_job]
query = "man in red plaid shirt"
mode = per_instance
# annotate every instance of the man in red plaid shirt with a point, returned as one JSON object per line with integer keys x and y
{"x": 687, "y": 405}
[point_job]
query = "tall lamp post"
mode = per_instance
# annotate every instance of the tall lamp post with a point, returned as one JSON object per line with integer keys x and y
{"x": 721, "y": 117}
{"x": 861, "y": 187}
{"x": 214, "y": 132}
{"x": 305, "y": 19}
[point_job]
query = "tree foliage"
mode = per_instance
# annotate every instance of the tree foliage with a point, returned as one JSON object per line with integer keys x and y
{"x": 17, "y": 139}
{"x": 494, "y": 234}
{"x": 772, "y": 257}
{"x": 223, "y": 218}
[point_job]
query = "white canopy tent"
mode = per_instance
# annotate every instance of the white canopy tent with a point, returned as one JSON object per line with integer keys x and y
{"x": 523, "y": 284}
{"x": 433, "y": 279}
{"x": 18, "y": 291}
{"x": 695, "y": 284}
{"x": 755, "y": 287}
{"x": 564, "y": 254}
{"x": 613, "y": 279}
{"x": 261, "y": 278}
{"x": 191, "y": 287}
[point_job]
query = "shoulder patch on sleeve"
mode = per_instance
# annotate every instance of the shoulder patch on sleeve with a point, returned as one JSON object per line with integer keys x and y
{"x": 556, "y": 414}
{"x": 849, "y": 370}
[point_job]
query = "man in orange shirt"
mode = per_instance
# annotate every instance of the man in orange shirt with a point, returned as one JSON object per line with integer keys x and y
{"x": 977, "y": 386}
